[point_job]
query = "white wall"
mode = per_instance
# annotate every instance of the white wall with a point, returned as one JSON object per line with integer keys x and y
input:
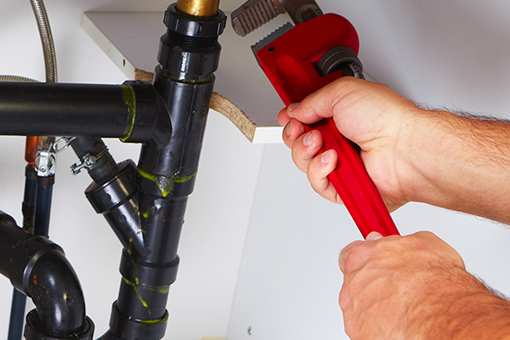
{"x": 444, "y": 53}
{"x": 448, "y": 53}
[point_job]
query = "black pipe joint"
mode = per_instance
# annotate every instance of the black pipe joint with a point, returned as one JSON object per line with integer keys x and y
{"x": 128, "y": 328}
{"x": 104, "y": 167}
{"x": 144, "y": 289}
{"x": 157, "y": 276}
{"x": 190, "y": 48}
{"x": 34, "y": 330}
{"x": 116, "y": 199}
{"x": 38, "y": 267}
{"x": 20, "y": 250}
{"x": 148, "y": 115}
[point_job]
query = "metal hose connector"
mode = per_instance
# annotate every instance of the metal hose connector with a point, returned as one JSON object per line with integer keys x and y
{"x": 50, "y": 58}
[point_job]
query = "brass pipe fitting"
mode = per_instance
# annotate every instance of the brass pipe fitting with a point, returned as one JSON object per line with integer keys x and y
{"x": 199, "y": 8}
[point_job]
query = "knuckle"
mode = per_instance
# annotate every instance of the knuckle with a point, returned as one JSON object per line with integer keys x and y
{"x": 344, "y": 300}
{"x": 353, "y": 259}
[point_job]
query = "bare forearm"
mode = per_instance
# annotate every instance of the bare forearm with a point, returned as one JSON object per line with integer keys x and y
{"x": 465, "y": 309}
{"x": 464, "y": 164}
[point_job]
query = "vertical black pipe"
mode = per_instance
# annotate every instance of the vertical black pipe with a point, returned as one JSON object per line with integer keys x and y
{"x": 43, "y": 205}
{"x": 188, "y": 56}
{"x": 29, "y": 199}
{"x": 17, "y": 315}
{"x": 18, "y": 298}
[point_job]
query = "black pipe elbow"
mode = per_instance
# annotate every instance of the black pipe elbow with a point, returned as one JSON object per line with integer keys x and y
{"x": 38, "y": 267}
{"x": 58, "y": 297}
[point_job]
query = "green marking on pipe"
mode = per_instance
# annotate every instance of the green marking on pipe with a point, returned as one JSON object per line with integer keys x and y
{"x": 165, "y": 184}
{"x": 129, "y": 98}
{"x": 147, "y": 213}
{"x": 164, "y": 319}
{"x": 136, "y": 288}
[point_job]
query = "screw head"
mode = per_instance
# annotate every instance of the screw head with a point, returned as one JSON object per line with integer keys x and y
{"x": 250, "y": 331}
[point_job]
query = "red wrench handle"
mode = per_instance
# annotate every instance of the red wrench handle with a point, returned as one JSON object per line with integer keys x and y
{"x": 290, "y": 62}
{"x": 351, "y": 181}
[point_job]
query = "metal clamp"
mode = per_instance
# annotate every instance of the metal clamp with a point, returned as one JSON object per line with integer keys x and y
{"x": 46, "y": 158}
{"x": 88, "y": 162}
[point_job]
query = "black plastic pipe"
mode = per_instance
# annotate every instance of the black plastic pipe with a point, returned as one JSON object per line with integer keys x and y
{"x": 29, "y": 199}
{"x": 104, "y": 167}
{"x": 18, "y": 298}
{"x": 43, "y": 205}
{"x": 116, "y": 199}
{"x": 188, "y": 56}
{"x": 38, "y": 267}
{"x": 113, "y": 192}
{"x": 17, "y": 315}
{"x": 132, "y": 112}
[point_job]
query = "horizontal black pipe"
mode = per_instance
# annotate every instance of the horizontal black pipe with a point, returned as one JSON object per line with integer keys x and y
{"x": 132, "y": 112}
{"x": 38, "y": 267}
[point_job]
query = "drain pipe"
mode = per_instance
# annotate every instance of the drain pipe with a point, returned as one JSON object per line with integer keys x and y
{"x": 188, "y": 57}
{"x": 38, "y": 267}
{"x": 133, "y": 111}
{"x": 113, "y": 191}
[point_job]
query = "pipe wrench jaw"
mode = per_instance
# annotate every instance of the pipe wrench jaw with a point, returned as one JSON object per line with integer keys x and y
{"x": 299, "y": 60}
{"x": 302, "y": 59}
{"x": 255, "y": 13}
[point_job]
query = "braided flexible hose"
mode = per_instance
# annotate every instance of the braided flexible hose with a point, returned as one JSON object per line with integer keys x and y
{"x": 50, "y": 58}
{"x": 17, "y": 79}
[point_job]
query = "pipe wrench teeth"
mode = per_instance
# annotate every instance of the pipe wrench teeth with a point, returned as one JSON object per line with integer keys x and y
{"x": 271, "y": 37}
{"x": 253, "y": 14}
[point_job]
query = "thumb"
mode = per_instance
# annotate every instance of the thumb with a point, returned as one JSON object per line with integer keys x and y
{"x": 374, "y": 236}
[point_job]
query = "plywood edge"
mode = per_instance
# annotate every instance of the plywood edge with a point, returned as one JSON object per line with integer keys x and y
{"x": 143, "y": 75}
{"x": 107, "y": 46}
{"x": 234, "y": 114}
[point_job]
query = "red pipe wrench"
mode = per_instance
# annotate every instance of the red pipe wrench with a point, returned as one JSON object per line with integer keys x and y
{"x": 299, "y": 60}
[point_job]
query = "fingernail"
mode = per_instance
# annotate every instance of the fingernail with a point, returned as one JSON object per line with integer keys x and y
{"x": 325, "y": 157}
{"x": 374, "y": 236}
{"x": 287, "y": 129}
{"x": 308, "y": 139}
{"x": 292, "y": 107}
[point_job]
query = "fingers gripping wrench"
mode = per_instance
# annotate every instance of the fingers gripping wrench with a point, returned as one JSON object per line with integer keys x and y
{"x": 299, "y": 60}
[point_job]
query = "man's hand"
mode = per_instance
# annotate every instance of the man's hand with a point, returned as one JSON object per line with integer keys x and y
{"x": 415, "y": 287}
{"x": 411, "y": 154}
{"x": 371, "y": 115}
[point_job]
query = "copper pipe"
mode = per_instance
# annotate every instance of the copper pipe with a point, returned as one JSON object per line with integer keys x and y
{"x": 31, "y": 150}
{"x": 199, "y": 8}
